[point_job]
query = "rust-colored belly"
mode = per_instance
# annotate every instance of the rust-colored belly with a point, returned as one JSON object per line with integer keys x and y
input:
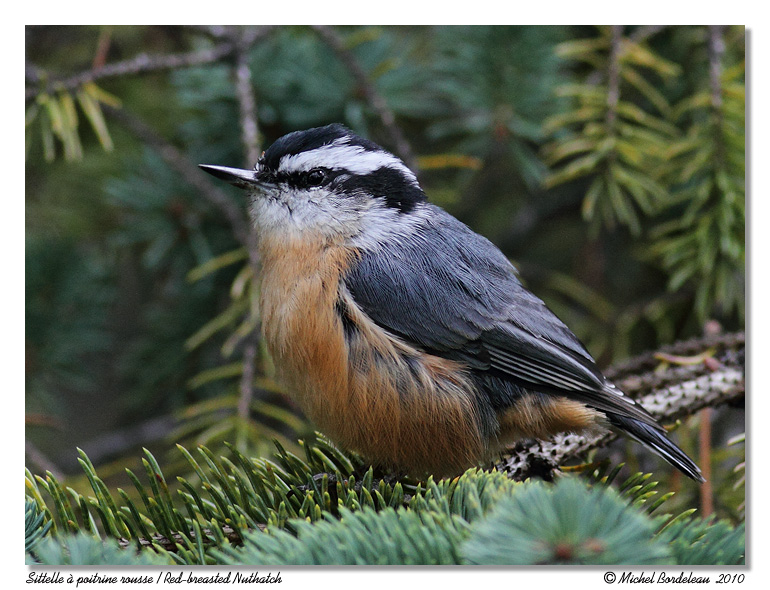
{"x": 368, "y": 391}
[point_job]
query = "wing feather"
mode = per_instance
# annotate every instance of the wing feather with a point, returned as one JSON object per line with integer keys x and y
{"x": 451, "y": 292}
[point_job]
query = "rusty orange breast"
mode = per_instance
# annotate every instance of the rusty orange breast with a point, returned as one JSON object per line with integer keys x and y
{"x": 360, "y": 385}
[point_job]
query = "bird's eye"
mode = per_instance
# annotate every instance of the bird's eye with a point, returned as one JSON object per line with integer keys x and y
{"x": 315, "y": 177}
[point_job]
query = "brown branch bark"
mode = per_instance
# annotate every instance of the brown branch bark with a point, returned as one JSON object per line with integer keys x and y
{"x": 716, "y": 50}
{"x": 247, "y": 105}
{"x": 141, "y": 64}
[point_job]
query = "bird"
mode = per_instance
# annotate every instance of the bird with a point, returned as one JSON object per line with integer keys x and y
{"x": 402, "y": 334}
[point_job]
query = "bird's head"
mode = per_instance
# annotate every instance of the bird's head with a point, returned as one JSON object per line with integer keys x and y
{"x": 329, "y": 182}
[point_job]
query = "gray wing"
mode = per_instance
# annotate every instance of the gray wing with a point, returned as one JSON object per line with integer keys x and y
{"x": 451, "y": 292}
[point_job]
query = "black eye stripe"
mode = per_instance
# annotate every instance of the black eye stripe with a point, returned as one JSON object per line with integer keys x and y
{"x": 395, "y": 189}
{"x": 389, "y": 184}
{"x": 304, "y": 179}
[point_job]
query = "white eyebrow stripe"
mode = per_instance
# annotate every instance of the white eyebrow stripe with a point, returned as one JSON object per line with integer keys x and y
{"x": 338, "y": 156}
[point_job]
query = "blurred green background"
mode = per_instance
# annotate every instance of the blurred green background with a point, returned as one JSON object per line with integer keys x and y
{"x": 606, "y": 162}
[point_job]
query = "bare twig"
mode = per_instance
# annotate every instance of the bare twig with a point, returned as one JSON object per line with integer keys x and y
{"x": 251, "y": 147}
{"x": 247, "y": 105}
{"x": 217, "y": 32}
{"x": 716, "y": 51}
{"x": 141, "y": 64}
{"x": 187, "y": 169}
{"x": 716, "y": 46}
{"x": 638, "y": 376}
{"x": 33, "y": 73}
{"x": 376, "y": 101}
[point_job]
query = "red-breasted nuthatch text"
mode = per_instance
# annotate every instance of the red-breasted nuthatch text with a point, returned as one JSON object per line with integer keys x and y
{"x": 404, "y": 335}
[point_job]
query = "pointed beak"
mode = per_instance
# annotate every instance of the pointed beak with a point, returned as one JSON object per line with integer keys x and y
{"x": 245, "y": 179}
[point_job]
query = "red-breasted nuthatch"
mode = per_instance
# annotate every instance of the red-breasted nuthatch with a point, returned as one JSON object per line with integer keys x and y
{"x": 403, "y": 334}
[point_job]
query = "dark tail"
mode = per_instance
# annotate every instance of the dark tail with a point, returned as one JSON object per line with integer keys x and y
{"x": 657, "y": 441}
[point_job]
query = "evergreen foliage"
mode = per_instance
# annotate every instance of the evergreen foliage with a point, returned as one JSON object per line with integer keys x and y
{"x": 705, "y": 542}
{"x": 608, "y": 136}
{"x": 68, "y": 298}
{"x": 703, "y": 241}
{"x": 607, "y": 162}
{"x": 35, "y": 524}
{"x": 56, "y": 117}
{"x": 564, "y": 524}
{"x": 365, "y": 537}
{"x": 286, "y": 512}
{"x": 83, "y": 549}
{"x": 517, "y": 130}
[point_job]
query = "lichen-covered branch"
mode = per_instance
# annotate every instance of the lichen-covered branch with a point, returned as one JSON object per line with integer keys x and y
{"x": 673, "y": 383}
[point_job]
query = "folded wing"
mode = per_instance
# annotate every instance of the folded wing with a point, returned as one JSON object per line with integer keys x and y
{"x": 452, "y": 293}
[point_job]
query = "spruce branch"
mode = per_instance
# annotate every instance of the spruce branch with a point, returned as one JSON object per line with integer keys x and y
{"x": 240, "y": 496}
{"x": 638, "y": 36}
{"x": 716, "y": 51}
{"x": 669, "y": 392}
{"x": 699, "y": 238}
{"x": 610, "y": 136}
{"x": 247, "y": 105}
{"x": 613, "y": 78}
{"x": 179, "y": 162}
{"x": 141, "y": 64}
